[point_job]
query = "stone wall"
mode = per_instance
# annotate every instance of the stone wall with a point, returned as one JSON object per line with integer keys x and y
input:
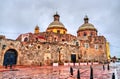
{"x": 46, "y": 54}
{"x": 38, "y": 53}
{"x": 93, "y": 49}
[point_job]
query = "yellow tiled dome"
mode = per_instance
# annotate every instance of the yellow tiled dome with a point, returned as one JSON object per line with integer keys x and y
{"x": 56, "y": 26}
{"x": 87, "y": 26}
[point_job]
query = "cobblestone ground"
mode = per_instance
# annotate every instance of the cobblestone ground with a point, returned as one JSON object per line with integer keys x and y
{"x": 116, "y": 69}
{"x": 60, "y": 72}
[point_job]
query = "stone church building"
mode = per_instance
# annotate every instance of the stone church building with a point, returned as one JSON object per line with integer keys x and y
{"x": 55, "y": 45}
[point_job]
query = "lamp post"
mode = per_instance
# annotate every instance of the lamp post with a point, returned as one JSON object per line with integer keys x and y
{"x": 59, "y": 54}
{"x": 104, "y": 58}
{"x": 79, "y": 57}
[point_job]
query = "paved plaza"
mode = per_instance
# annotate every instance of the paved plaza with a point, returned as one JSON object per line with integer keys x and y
{"x": 59, "y": 72}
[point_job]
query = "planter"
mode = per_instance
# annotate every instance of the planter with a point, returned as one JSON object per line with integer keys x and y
{"x": 83, "y": 63}
{"x": 55, "y": 64}
{"x": 65, "y": 64}
{"x": 76, "y": 64}
{"x": 71, "y": 64}
{"x": 95, "y": 63}
{"x": 89, "y": 63}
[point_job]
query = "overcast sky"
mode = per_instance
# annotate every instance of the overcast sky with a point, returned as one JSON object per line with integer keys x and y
{"x": 21, "y": 16}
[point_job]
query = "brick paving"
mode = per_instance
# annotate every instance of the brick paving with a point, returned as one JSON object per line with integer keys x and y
{"x": 60, "y": 72}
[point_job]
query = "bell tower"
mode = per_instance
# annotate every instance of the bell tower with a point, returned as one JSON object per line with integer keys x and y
{"x": 36, "y": 31}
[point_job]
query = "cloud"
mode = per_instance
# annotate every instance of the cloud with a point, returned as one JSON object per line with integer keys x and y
{"x": 21, "y": 16}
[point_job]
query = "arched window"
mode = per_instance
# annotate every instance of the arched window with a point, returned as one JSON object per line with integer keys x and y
{"x": 77, "y": 44}
{"x": 63, "y": 39}
{"x": 38, "y": 47}
{"x": 91, "y": 34}
{"x": 36, "y": 39}
{"x": 96, "y": 46}
{"x": 58, "y": 31}
{"x": 64, "y": 32}
{"x": 86, "y": 45}
{"x": 100, "y": 46}
{"x": 85, "y": 34}
{"x": 25, "y": 39}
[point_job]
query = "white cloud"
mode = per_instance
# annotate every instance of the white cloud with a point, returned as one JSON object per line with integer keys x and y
{"x": 20, "y": 16}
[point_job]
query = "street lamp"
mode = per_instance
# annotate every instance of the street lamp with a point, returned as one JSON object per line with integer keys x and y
{"x": 79, "y": 57}
{"x": 104, "y": 58}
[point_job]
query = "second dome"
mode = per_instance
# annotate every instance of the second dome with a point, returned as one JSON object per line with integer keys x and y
{"x": 86, "y": 25}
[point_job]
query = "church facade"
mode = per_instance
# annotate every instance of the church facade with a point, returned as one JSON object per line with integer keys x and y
{"x": 55, "y": 45}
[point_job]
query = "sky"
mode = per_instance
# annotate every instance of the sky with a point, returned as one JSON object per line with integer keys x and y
{"x": 21, "y": 16}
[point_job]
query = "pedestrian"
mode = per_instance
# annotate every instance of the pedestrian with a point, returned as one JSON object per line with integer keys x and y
{"x": 87, "y": 63}
{"x": 6, "y": 61}
{"x": 11, "y": 61}
{"x": 103, "y": 67}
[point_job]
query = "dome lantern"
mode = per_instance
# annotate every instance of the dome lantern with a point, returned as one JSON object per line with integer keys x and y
{"x": 56, "y": 17}
{"x": 86, "y": 19}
